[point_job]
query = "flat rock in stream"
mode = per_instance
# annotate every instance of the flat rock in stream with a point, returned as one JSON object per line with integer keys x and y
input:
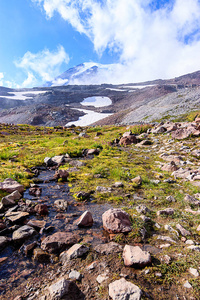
{"x": 23, "y": 233}
{"x": 59, "y": 241}
{"x": 16, "y": 216}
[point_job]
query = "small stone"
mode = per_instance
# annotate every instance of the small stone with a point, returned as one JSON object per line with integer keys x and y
{"x": 108, "y": 248}
{"x": 137, "y": 180}
{"x": 122, "y": 289}
{"x": 23, "y": 233}
{"x": 61, "y": 204}
{"x": 63, "y": 174}
{"x": 194, "y": 272}
{"x": 164, "y": 246}
{"x": 102, "y": 278}
{"x": 187, "y": 285}
{"x": 36, "y": 224}
{"x": 166, "y": 259}
{"x": 198, "y": 228}
{"x": 134, "y": 255}
{"x": 118, "y": 184}
{"x": 41, "y": 256}
{"x": 189, "y": 242}
{"x": 170, "y": 199}
{"x": 182, "y": 230}
{"x": 167, "y": 212}
{"x": 41, "y": 209}
{"x": 3, "y": 242}
{"x": 75, "y": 275}
{"x": 142, "y": 209}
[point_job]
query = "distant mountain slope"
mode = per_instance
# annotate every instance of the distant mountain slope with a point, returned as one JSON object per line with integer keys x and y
{"x": 133, "y": 102}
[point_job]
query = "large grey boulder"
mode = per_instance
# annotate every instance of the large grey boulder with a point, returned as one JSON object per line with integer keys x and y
{"x": 58, "y": 241}
{"x": 116, "y": 220}
{"x": 124, "y": 290}
{"x": 59, "y": 289}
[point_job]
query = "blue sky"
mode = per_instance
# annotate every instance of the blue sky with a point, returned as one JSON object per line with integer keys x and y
{"x": 40, "y": 39}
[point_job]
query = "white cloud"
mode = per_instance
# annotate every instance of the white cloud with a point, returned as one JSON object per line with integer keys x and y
{"x": 151, "y": 43}
{"x": 44, "y": 64}
{"x": 1, "y": 78}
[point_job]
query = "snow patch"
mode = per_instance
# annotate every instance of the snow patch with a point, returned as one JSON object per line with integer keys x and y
{"x": 97, "y": 101}
{"x": 22, "y": 95}
{"x": 90, "y": 117}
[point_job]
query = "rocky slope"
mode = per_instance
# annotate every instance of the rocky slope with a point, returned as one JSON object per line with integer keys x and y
{"x": 131, "y": 228}
{"x": 131, "y": 103}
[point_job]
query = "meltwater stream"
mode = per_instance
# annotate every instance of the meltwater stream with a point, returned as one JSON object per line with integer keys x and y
{"x": 18, "y": 267}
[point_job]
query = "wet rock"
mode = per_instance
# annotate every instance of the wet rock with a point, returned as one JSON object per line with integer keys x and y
{"x": 170, "y": 167}
{"x": 35, "y": 191}
{"x": 37, "y": 224}
{"x": 9, "y": 200}
{"x": 59, "y": 289}
{"x": 137, "y": 180}
{"x": 166, "y": 211}
{"x": 23, "y": 233}
{"x": 63, "y": 174}
{"x": 61, "y": 204}
{"x": 75, "y": 251}
{"x": 41, "y": 256}
{"x": 48, "y": 161}
{"x": 9, "y": 185}
{"x": 116, "y": 220}
{"x": 136, "y": 256}
{"x": 83, "y": 195}
{"x": 85, "y": 220}
{"x": 41, "y": 209}
{"x": 28, "y": 249}
{"x": 75, "y": 275}
{"x": 58, "y": 241}
{"x": 108, "y": 248}
{"x": 16, "y": 216}
{"x": 182, "y": 230}
{"x": 3, "y": 242}
{"x": 122, "y": 289}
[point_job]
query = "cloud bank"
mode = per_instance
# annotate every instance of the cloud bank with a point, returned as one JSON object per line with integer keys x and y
{"x": 152, "y": 39}
{"x": 44, "y": 64}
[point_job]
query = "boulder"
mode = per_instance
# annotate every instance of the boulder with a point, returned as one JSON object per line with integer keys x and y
{"x": 170, "y": 167}
{"x": 75, "y": 275}
{"x": 85, "y": 220}
{"x": 41, "y": 209}
{"x": 9, "y": 185}
{"x": 61, "y": 204}
{"x": 16, "y": 216}
{"x": 49, "y": 162}
{"x": 135, "y": 256}
{"x": 58, "y": 241}
{"x": 9, "y": 200}
{"x": 41, "y": 256}
{"x": 122, "y": 290}
{"x": 63, "y": 174}
{"x": 3, "y": 242}
{"x": 128, "y": 140}
{"x": 58, "y": 159}
{"x": 166, "y": 211}
{"x": 137, "y": 180}
{"x": 59, "y": 289}
{"x": 23, "y": 233}
{"x": 37, "y": 224}
{"x": 116, "y": 220}
{"x": 182, "y": 230}
{"x": 75, "y": 251}
{"x": 192, "y": 200}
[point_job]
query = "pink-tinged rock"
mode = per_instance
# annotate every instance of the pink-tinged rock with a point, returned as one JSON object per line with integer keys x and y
{"x": 9, "y": 185}
{"x": 85, "y": 220}
{"x": 9, "y": 200}
{"x": 134, "y": 255}
{"x": 41, "y": 209}
{"x": 93, "y": 152}
{"x": 128, "y": 140}
{"x": 16, "y": 216}
{"x": 182, "y": 230}
{"x": 170, "y": 167}
{"x": 58, "y": 241}
{"x": 116, "y": 220}
{"x": 36, "y": 224}
{"x": 75, "y": 251}
{"x": 63, "y": 174}
{"x": 122, "y": 290}
{"x": 108, "y": 248}
{"x": 159, "y": 129}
